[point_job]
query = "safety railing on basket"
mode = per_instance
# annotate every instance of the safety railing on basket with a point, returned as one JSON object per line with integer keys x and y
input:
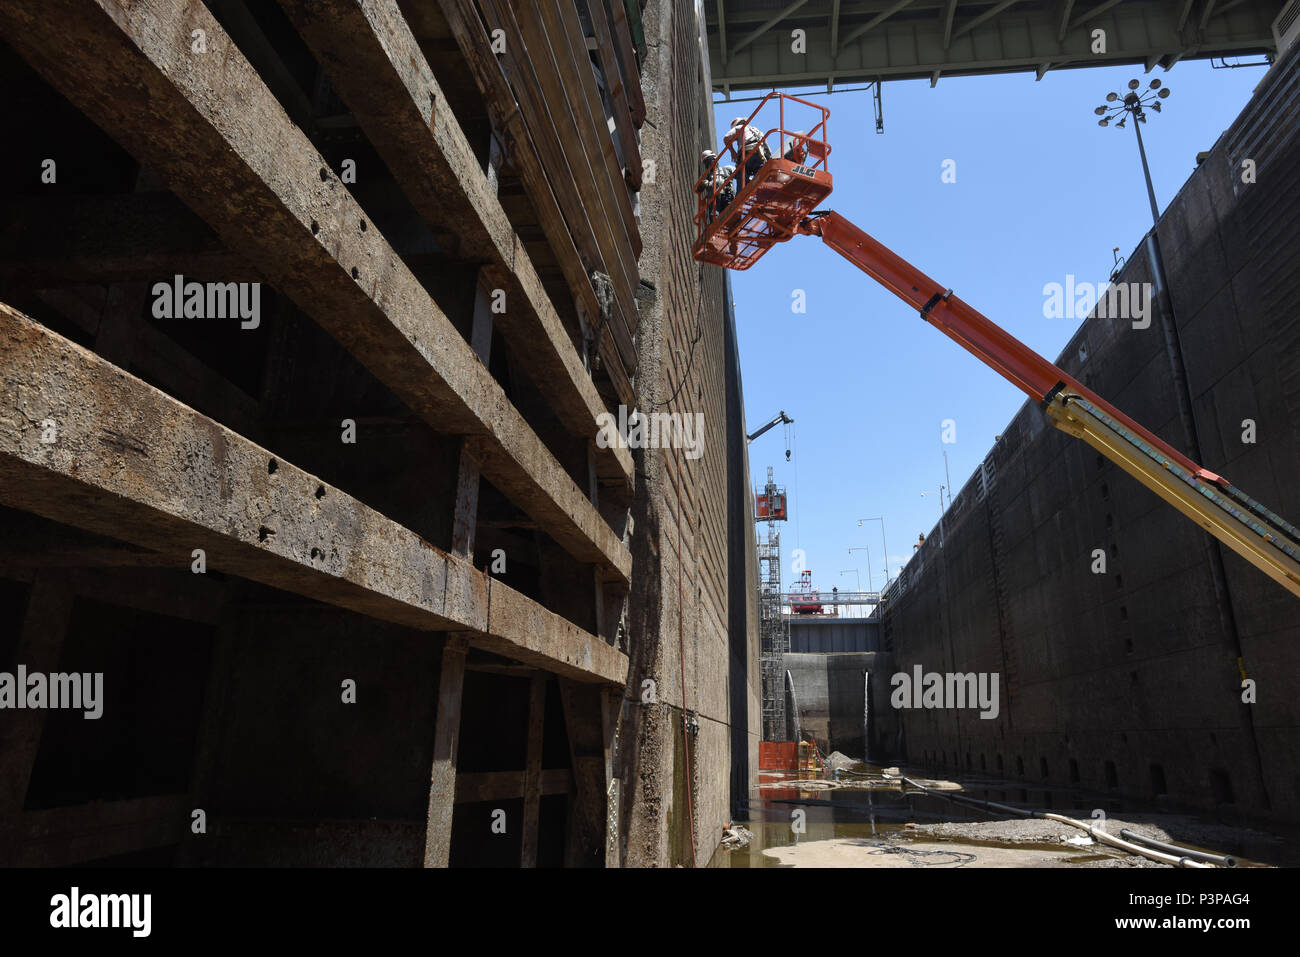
{"x": 750, "y": 147}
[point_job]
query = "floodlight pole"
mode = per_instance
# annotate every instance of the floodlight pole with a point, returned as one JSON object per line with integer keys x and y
{"x": 1146, "y": 172}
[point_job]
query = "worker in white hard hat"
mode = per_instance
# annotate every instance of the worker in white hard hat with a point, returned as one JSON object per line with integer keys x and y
{"x": 748, "y": 147}
{"x": 716, "y": 184}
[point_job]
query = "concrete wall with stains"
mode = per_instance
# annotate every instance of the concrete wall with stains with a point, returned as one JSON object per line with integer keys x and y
{"x": 1130, "y": 681}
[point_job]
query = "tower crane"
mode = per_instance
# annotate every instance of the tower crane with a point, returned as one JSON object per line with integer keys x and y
{"x": 778, "y": 200}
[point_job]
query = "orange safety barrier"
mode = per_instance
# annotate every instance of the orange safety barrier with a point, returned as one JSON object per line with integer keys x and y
{"x": 778, "y": 756}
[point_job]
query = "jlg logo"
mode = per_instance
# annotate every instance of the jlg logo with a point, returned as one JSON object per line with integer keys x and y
{"x": 804, "y": 171}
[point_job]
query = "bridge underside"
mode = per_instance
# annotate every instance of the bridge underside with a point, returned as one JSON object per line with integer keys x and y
{"x": 753, "y": 44}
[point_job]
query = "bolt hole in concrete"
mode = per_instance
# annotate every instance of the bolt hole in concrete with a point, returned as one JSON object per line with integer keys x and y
{"x": 271, "y": 466}
{"x": 263, "y": 533}
{"x": 363, "y": 225}
{"x": 315, "y": 227}
{"x": 320, "y": 491}
{"x": 315, "y": 553}
{"x": 862, "y": 816}
{"x": 355, "y": 273}
{"x": 324, "y": 174}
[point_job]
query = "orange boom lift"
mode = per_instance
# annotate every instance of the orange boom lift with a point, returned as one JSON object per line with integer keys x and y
{"x": 779, "y": 202}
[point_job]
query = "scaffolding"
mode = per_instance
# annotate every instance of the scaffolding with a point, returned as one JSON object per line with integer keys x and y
{"x": 770, "y": 508}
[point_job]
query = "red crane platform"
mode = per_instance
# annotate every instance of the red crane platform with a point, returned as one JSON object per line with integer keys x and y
{"x": 768, "y": 208}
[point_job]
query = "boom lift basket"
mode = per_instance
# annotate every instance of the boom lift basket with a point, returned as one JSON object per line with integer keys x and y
{"x": 767, "y": 208}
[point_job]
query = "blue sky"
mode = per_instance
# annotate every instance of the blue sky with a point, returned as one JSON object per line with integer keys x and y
{"x": 1041, "y": 191}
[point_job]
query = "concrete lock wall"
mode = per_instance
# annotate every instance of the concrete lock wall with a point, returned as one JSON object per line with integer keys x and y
{"x": 1130, "y": 680}
{"x": 829, "y": 694}
{"x": 430, "y": 596}
{"x": 694, "y": 615}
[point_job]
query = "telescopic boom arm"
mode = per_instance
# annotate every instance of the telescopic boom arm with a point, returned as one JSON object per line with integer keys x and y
{"x": 1252, "y": 531}
{"x": 777, "y": 420}
{"x": 780, "y": 200}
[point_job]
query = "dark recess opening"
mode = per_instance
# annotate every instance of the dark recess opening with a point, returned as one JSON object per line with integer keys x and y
{"x": 13, "y": 610}
{"x": 1112, "y": 776}
{"x": 155, "y": 671}
{"x": 1158, "y": 780}
{"x": 1221, "y": 786}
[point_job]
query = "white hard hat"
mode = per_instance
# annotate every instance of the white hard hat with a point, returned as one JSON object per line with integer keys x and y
{"x": 737, "y": 121}
{"x": 708, "y": 155}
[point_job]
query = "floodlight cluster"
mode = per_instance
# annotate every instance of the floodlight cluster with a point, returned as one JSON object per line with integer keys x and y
{"x": 1132, "y": 102}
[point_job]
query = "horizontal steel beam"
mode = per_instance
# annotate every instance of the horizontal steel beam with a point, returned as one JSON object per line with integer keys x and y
{"x": 988, "y": 14}
{"x": 850, "y": 12}
{"x": 997, "y": 37}
{"x": 874, "y": 22}
{"x": 957, "y": 66}
{"x": 771, "y": 22}
{"x": 1092, "y": 13}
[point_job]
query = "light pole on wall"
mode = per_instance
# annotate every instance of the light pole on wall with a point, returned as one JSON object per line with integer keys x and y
{"x": 881, "y": 520}
{"x": 939, "y": 492}
{"x": 1135, "y": 105}
{"x": 863, "y": 548}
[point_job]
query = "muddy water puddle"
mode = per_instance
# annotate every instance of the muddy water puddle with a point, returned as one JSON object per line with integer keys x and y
{"x": 866, "y": 810}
